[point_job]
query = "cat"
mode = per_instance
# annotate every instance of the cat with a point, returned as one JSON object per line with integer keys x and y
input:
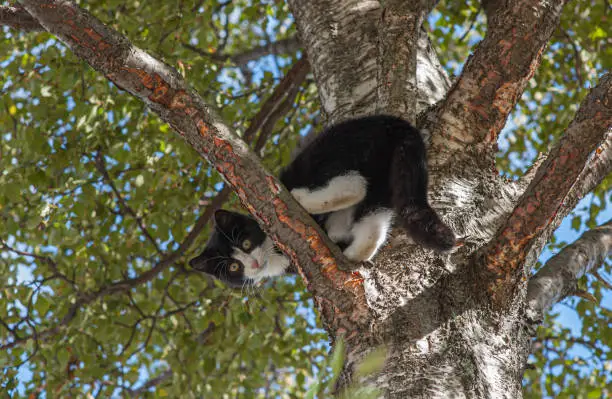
{"x": 355, "y": 178}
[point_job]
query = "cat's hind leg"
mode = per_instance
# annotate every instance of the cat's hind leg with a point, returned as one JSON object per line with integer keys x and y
{"x": 340, "y": 192}
{"x": 369, "y": 234}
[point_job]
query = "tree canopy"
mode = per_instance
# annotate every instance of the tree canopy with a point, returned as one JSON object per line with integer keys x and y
{"x": 102, "y": 205}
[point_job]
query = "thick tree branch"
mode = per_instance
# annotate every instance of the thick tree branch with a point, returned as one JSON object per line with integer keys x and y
{"x": 165, "y": 92}
{"x": 505, "y": 255}
{"x": 283, "y": 46}
{"x": 558, "y": 277}
{"x": 19, "y": 19}
{"x": 494, "y": 76}
{"x": 597, "y": 168}
{"x": 398, "y": 33}
{"x": 268, "y": 115}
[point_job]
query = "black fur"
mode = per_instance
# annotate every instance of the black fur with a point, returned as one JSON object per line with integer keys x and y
{"x": 231, "y": 229}
{"x": 391, "y": 155}
{"x": 387, "y": 151}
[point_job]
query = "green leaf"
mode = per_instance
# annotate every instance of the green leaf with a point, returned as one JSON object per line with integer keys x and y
{"x": 43, "y": 304}
{"x": 576, "y": 223}
{"x": 372, "y": 363}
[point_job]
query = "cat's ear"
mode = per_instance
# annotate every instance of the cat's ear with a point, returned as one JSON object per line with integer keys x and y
{"x": 201, "y": 262}
{"x": 224, "y": 219}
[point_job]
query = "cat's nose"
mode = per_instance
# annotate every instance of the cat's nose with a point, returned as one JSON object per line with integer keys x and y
{"x": 255, "y": 265}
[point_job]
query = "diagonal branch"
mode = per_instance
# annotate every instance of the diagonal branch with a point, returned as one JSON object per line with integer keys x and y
{"x": 494, "y": 76}
{"x": 267, "y": 115}
{"x": 558, "y": 277}
{"x": 285, "y": 91}
{"x": 283, "y": 46}
{"x": 598, "y": 167}
{"x": 152, "y": 383}
{"x": 505, "y": 255}
{"x": 160, "y": 87}
{"x": 18, "y": 18}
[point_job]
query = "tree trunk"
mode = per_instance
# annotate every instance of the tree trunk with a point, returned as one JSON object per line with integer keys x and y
{"x": 445, "y": 337}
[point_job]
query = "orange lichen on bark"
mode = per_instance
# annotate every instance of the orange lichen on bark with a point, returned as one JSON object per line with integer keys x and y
{"x": 160, "y": 91}
{"x": 355, "y": 280}
{"x": 93, "y": 34}
{"x": 180, "y": 100}
{"x": 323, "y": 257}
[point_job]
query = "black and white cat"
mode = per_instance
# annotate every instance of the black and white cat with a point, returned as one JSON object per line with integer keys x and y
{"x": 355, "y": 179}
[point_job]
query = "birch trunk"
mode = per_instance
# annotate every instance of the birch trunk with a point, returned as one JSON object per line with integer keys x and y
{"x": 445, "y": 337}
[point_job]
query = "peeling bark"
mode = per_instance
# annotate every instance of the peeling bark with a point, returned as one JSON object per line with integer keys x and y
{"x": 493, "y": 78}
{"x": 504, "y": 257}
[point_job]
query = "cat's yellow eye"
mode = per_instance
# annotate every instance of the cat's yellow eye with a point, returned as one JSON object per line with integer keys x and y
{"x": 246, "y": 245}
{"x": 234, "y": 267}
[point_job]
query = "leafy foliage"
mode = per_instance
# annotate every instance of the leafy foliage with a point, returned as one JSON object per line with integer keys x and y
{"x": 96, "y": 192}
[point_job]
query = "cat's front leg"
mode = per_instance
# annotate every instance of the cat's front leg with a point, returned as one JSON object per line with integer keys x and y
{"x": 340, "y": 192}
{"x": 369, "y": 234}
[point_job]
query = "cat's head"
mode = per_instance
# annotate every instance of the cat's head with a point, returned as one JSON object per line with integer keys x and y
{"x": 239, "y": 252}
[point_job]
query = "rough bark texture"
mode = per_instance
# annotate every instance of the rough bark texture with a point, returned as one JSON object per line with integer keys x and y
{"x": 398, "y": 31}
{"x": 493, "y": 78}
{"x": 340, "y": 38}
{"x": 18, "y": 18}
{"x": 505, "y": 256}
{"x": 433, "y": 311}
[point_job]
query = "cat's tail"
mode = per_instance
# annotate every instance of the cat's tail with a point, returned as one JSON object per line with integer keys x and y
{"x": 409, "y": 196}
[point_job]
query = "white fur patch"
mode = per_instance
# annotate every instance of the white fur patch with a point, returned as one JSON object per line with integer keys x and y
{"x": 271, "y": 264}
{"x": 339, "y": 224}
{"x": 369, "y": 233}
{"x": 340, "y": 192}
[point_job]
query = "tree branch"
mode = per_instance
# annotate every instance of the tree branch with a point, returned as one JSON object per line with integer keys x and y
{"x": 598, "y": 167}
{"x": 19, "y": 19}
{"x": 494, "y": 76}
{"x": 505, "y": 254}
{"x": 268, "y": 115}
{"x": 398, "y": 33}
{"x": 283, "y": 46}
{"x": 340, "y": 299}
{"x": 558, "y": 277}
{"x": 123, "y": 205}
{"x": 153, "y": 382}
{"x": 286, "y": 90}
